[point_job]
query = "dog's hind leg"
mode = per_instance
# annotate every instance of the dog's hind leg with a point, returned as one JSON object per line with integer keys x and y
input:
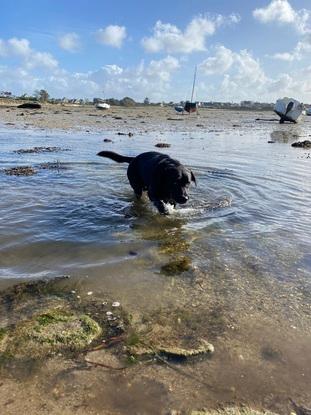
{"x": 135, "y": 181}
{"x": 138, "y": 190}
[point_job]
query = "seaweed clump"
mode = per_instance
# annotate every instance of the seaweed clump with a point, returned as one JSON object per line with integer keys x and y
{"x": 20, "y": 171}
{"x": 51, "y": 332}
{"x": 43, "y": 318}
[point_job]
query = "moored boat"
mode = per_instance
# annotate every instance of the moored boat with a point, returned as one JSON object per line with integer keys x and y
{"x": 288, "y": 109}
{"x": 103, "y": 106}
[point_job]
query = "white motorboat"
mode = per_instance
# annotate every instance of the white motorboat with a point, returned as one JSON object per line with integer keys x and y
{"x": 288, "y": 109}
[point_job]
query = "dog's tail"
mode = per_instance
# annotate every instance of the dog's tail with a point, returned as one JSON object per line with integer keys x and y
{"x": 116, "y": 157}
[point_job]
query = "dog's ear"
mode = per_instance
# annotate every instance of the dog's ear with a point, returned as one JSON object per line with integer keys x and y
{"x": 193, "y": 179}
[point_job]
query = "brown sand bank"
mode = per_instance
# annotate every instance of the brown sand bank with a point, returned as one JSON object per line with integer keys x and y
{"x": 140, "y": 119}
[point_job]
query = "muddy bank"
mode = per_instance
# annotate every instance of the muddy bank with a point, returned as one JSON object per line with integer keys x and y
{"x": 127, "y": 121}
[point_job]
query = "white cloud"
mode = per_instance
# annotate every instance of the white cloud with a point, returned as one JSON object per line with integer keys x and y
{"x": 42, "y": 59}
{"x": 245, "y": 66}
{"x": 302, "y": 50}
{"x": 19, "y": 47}
{"x": 112, "y": 35}
{"x": 152, "y": 79}
{"x": 280, "y": 11}
{"x": 218, "y": 64}
{"x": 69, "y": 42}
{"x": 113, "y": 69}
{"x": 243, "y": 74}
{"x": 30, "y": 57}
{"x": 169, "y": 38}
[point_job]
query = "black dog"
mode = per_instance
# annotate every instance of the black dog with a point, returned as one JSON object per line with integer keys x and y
{"x": 166, "y": 180}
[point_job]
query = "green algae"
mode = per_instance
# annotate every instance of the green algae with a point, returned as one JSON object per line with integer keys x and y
{"x": 3, "y": 333}
{"x": 52, "y": 332}
{"x": 176, "y": 266}
{"x": 47, "y": 317}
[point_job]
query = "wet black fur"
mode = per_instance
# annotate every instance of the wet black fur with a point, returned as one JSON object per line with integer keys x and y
{"x": 165, "y": 179}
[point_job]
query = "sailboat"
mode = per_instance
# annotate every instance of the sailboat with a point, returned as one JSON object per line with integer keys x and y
{"x": 189, "y": 105}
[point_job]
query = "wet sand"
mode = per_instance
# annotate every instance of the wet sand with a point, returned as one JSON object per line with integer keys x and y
{"x": 139, "y": 119}
{"x": 261, "y": 329}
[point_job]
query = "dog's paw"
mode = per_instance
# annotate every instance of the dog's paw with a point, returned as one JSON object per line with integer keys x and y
{"x": 162, "y": 208}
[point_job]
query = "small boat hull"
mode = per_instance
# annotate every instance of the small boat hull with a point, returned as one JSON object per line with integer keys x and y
{"x": 190, "y": 107}
{"x": 288, "y": 109}
{"x": 103, "y": 106}
{"x": 179, "y": 108}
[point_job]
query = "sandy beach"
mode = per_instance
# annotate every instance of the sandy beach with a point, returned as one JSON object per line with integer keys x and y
{"x": 141, "y": 119}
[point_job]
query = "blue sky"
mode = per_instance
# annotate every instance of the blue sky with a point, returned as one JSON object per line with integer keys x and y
{"x": 259, "y": 49}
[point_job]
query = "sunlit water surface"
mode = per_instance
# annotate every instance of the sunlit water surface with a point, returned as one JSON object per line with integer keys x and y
{"x": 82, "y": 218}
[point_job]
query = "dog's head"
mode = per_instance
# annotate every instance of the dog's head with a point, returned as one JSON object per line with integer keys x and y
{"x": 175, "y": 182}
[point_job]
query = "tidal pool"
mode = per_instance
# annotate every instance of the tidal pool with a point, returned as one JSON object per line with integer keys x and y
{"x": 232, "y": 266}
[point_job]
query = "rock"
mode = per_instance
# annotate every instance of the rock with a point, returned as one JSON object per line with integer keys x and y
{"x": 231, "y": 411}
{"x": 162, "y": 145}
{"x": 107, "y": 140}
{"x": 20, "y": 171}
{"x": 300, "y": 410}
{"x": 302, "y": 144}
{"x": 37, "y": 150}
{"x": 52, "y": 166}
{"x": 55, "y": 330}
{"x": 44, "y": 318}
{"x": 129, "y": 134}
{"x": 30, "y": 105}
{"x": 170, "y": 351}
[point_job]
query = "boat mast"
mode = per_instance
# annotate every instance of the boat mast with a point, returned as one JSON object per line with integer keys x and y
{"x": 194, "y": 78}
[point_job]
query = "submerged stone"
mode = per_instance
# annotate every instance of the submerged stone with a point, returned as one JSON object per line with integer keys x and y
{"x": 44, "y": 318}
{"x": 172, "y": 351}
{"x": 51, "y": 332}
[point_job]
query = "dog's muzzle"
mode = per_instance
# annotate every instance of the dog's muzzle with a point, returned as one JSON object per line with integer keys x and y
{"x": 182, "y": 199}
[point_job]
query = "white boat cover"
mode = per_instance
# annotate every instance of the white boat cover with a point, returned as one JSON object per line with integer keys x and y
{"x": 289, "y": 109}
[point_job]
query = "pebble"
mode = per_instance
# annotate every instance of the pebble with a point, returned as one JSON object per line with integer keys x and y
{"x": 116, "y": 304}
{"x": 90, "y": 293}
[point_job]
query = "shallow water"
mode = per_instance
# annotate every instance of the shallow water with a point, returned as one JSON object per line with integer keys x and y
{"x": 82, "y": 217}
{"x": 248, "y": 223}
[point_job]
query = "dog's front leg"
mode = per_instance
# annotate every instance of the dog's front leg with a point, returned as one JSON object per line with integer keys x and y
{"x": 158, "y": 203}
{"x": 161, "y": 206}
